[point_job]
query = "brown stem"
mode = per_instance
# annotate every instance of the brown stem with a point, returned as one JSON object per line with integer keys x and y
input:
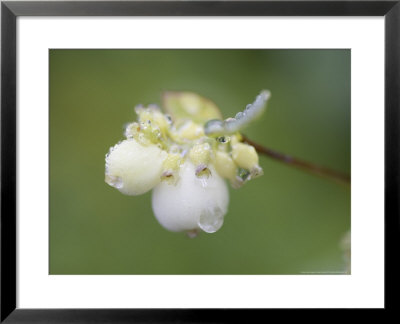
{"x": 303, "y": 165}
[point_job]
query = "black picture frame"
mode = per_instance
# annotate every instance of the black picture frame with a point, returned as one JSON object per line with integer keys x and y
{"x": 11, "y": 10}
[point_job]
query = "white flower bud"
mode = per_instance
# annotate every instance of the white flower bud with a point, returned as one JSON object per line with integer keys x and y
{"x": 133, "y": 168}
{"x": 193, "y": 203}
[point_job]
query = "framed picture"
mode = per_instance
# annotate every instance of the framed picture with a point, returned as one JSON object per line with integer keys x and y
{"x": 181, "y": 160}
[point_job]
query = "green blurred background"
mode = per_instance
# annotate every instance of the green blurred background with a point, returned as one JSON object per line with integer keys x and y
{"x": 286, "y": 222}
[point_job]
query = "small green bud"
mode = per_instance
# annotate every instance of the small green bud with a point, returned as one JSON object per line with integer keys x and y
{"x": 200, "y": 155}
{"x": 245, "y": 156}
{"x": 171, "y": 168}
{"x": 225, "y": 165}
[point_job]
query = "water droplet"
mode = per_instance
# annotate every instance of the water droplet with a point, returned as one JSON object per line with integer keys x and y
{"x": 174, "y": 149}
{"x": 138, "y": 109}
{"x": 243, "y": 173}
{"x": 214, "y": 126}
{"x": 223, "y": 139}
{"x": 211, "y": 220}
{"x": 248, "y": 107}
{"x": 239, "y": 115}
{"x": 114, "y": 181}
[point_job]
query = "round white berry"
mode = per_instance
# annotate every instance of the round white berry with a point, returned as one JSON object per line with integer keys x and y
{"x": 193, "y": 203}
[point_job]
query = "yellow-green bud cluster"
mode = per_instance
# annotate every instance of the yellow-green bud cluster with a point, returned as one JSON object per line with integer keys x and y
{"x": 154, "y": 139}
{"x": 237, "y": 161}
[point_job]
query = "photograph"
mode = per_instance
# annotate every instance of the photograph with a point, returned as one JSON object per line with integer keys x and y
{"x": 199, "y": 161}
